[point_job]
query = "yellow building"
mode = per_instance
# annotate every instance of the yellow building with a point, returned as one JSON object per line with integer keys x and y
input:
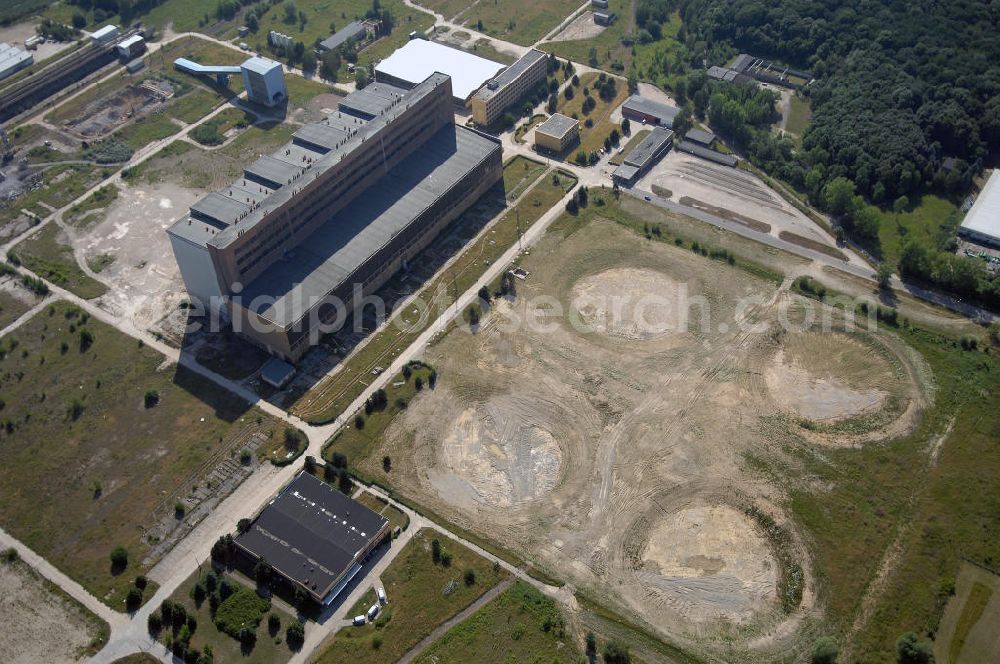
{"x": 557, "y": 134}
{"x": 502, "y": 92}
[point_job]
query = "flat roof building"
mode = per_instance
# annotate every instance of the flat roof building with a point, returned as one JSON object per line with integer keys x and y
{"x": 643, "y": 156}
{"x": 700, "y": 136}
{"x": 287, "y": 248}
{"x": 13, "y": 59}
{"x": 558, "y": 133}
{"x": 604, "y": 17}
{"x": 264, "y": 81}
{"x": 982, "y": 223}
{"x": 419, "y": 58}
{"x": 706, "y": 153}
{"x": 513, "y": 84}
{"x": 649, "y": 112}
{"x": 353, "y": 30}
{"x": 104, "y": 35}
{"x": 314, "y": 536}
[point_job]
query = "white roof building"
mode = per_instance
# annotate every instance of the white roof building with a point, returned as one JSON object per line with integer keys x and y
{"x": 420, "y": 58}
{"x": 982, "y": 223}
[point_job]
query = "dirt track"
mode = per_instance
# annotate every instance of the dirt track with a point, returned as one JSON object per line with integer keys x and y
{"x": 643, "y": 501}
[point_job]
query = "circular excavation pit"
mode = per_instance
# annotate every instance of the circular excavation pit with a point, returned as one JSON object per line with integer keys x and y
{"x": 705, "y": 563}
{"x": 630, "y": 303}
{"x": 827, "y": 377}
{"x": 495, "y": 456}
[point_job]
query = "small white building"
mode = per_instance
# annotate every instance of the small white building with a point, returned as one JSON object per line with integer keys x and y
{"x": 419, "y": 58}
{"x": 13, "y": 59}
{"x": 265, "y": 81}
{"x": 105, "y": 34}
{"x": 982, "y": 224}
{"x": 130, "y": 48}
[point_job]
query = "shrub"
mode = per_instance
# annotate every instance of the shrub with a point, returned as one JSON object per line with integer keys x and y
{"x": 154, "y": 624}
{"x": 911, "y": 650}
{"x": 133, "y": 599}
{"x": 11, "y": 555}
{"x": 470, "y": 577}
{"x": 151, "y": 398}
{"x": 824, "y": 651}
{"x": 119, "y": 559}
{"x": 242, "y": 608}
{"x": 141, "y": 582}
{"x": 616, "y": 653}
{"x": 295, "y": 635}
{"x": 273, "y": 624}
{"x": 436, "y": 550}
{"x": 446, "y": 559}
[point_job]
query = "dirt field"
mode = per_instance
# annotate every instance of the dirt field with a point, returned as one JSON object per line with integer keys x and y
{"x": 582, "y": 27}
{"x": 41, "y": 625}
{"x": 607, "y": 443}
{"x": 102, "y": 116}
{"x": 144, "y": 277}
{"x": 968, "y": 632}
{"x": 731, "y": 193}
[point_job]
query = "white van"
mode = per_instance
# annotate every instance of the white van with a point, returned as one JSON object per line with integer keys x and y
{"x": 359, "y": 620}
{"x": 381, "y": 596}
{"x": 372, "y": 612}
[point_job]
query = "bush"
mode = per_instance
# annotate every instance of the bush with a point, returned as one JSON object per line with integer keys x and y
{"x": 241, "y": 609}
{"x": 446, "y": 559}
{"x": 151, "y": 398}
{"x": 295, "y": 635}
{"x": 273, "y": 624}
{"x": 154, "y": 624}
{"x": 119, "y": 559}
{"x": 133, "y": 599}
{"x": 616, "y": 653}
{"x": 824, "y": 651}
{"x": 470, "y": 577}
{"x": 911, "y": 650}
{"x": 11, "y": 555}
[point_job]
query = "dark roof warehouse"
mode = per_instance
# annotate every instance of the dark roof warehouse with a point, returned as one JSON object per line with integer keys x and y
{"x": 314, "y": 536}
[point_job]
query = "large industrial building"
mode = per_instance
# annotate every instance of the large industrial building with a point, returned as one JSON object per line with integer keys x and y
{"x": 982, "y": 223}
{"x": 509, "y": 87}
{"x": 263, "y": 79}
{"x": 335, "y": 212}
{"x": 420, "y": 58}
{"x": 314, "y": 537}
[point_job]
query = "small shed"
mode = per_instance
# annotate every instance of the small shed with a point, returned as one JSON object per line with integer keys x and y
{"x": 277, "y": 373}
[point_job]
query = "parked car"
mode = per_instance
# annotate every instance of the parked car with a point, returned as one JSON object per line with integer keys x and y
{"x": 360, "y": 620}
{"x": 381, "y": 595}
{"x": 372, "y": 612}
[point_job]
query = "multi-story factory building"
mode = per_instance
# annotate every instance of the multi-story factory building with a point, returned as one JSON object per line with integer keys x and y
{"x": 286, "y": 248}
{"x": 512, "y": 85}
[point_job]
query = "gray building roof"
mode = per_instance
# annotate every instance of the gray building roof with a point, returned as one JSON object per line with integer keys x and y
{"x": 706, "y": 153}
{"x": 742, "y": 62}
{"x": 665, "y": 114}
{"x": 352, "y": 30}
{"x": 642, "y": 154}
{"x": 625, "y": 172}
{"x": 372, "y": 100}
{"x": 329, "y": 256}
{"x": 700, "y": 136}
{"x": 219, "y": 209}
{"x": 718, "y": 73}
{"x": 323, "y": 137}
{"x": 311, "y": 533}
{"x": 558, "y": 125}
{"x": 272, "y": 172}
{"x": 221, "y": 230}
{"x": 276, "y": 372}
{"x": 511, "y": 73}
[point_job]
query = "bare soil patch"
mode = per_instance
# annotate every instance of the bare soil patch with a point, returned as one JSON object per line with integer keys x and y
{"x": 582, "y": 27}
{"x": 630, "y": 303}
{"x": 41, "y": 624}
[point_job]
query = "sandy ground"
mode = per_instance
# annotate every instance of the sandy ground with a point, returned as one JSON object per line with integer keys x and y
{"x": 17, "y": 33}
{"x": 643, "y": 504}
{"x": 39, "y": 625}
{"x": 981, "y": 640}
{"x": 582, "y": 27}
{"x": 699, "y": 182}
{"x": 144, "y": 278}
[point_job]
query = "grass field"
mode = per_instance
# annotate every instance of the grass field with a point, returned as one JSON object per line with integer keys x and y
{"x": 422, "y": 594}
{"x": 330, "y": 397}
{"x": 267, "y": 648}
{"x": 48, "y": 256}
{"x": 101, "y": 198}
{"x": 521, "y": 22}
{"x": 520, "y": 173}
{"x": 357, "y": 443}
{"x": 929, "y": 221}
{"x": 592, "y": 138}
{"x": 520, "y": 625}
{"x": 323, "y": 17}
{"x": 799, "y": 115}
{"x": 60, "y": 185}
{"x": 11, "y": 308}
{"x": 637, "y": 137}
{"x": 74, "y": 409}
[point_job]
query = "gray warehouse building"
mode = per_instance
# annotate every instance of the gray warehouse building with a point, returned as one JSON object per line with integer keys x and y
{"x": 314, "y": 537}
{"x": 649, "y": 151}
{"x": 286, "y": 248}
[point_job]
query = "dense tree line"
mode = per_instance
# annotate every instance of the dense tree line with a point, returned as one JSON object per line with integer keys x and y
{"x": 900, "y": 87}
